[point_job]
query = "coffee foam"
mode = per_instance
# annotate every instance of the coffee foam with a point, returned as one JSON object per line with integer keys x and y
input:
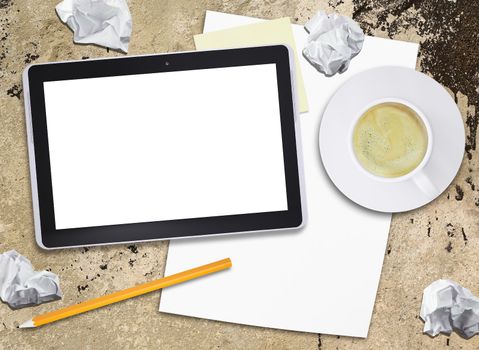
{"x": 390, "y": 140}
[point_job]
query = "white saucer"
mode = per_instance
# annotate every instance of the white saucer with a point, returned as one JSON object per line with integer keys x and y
{"x": 389, "y": 83}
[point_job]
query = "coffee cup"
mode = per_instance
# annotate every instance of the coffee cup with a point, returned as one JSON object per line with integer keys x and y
{"x": 391, "y": 141}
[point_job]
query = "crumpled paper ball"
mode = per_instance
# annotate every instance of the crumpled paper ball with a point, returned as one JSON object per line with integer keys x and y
{"x": 447, "y": 306}
{"x": 332, "y": 42}
{"x": 103, "y": 22}
{"x": 21, "y": 285}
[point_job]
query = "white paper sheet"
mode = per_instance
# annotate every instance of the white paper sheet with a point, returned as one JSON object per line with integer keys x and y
{"x": 322, "y": 279}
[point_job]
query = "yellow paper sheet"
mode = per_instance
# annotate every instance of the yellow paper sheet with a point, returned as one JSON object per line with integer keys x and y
{"x": 272, "y": 32}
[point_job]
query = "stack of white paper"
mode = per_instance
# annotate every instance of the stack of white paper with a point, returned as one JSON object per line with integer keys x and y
{"x": 322, "y": 279}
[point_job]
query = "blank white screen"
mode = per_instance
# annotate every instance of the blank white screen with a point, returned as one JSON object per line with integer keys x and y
{"x": 165, "y": 146}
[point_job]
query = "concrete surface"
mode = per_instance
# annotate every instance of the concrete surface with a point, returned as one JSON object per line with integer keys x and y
{"x": 439, "y": 240}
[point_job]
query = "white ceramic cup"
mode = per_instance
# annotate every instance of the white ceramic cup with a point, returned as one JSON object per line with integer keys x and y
{"x": 417, "y": 175}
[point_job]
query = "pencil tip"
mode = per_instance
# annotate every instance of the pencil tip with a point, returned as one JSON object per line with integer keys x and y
{"x": 27, "y": 324}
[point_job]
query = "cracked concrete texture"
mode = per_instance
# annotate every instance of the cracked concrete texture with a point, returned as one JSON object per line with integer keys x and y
{"x": 437, "y": 241}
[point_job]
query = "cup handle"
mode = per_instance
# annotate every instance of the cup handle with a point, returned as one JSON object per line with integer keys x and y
{"x": 424, "y": 183}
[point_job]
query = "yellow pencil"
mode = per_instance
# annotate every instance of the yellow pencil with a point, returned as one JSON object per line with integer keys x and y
{"x": 127, "y": 293}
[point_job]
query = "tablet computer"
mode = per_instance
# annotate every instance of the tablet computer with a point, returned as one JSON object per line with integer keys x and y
{"x": 163, "y": 146}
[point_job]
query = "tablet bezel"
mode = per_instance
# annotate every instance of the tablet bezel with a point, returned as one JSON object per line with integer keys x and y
{"x": 49, "y": 237}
